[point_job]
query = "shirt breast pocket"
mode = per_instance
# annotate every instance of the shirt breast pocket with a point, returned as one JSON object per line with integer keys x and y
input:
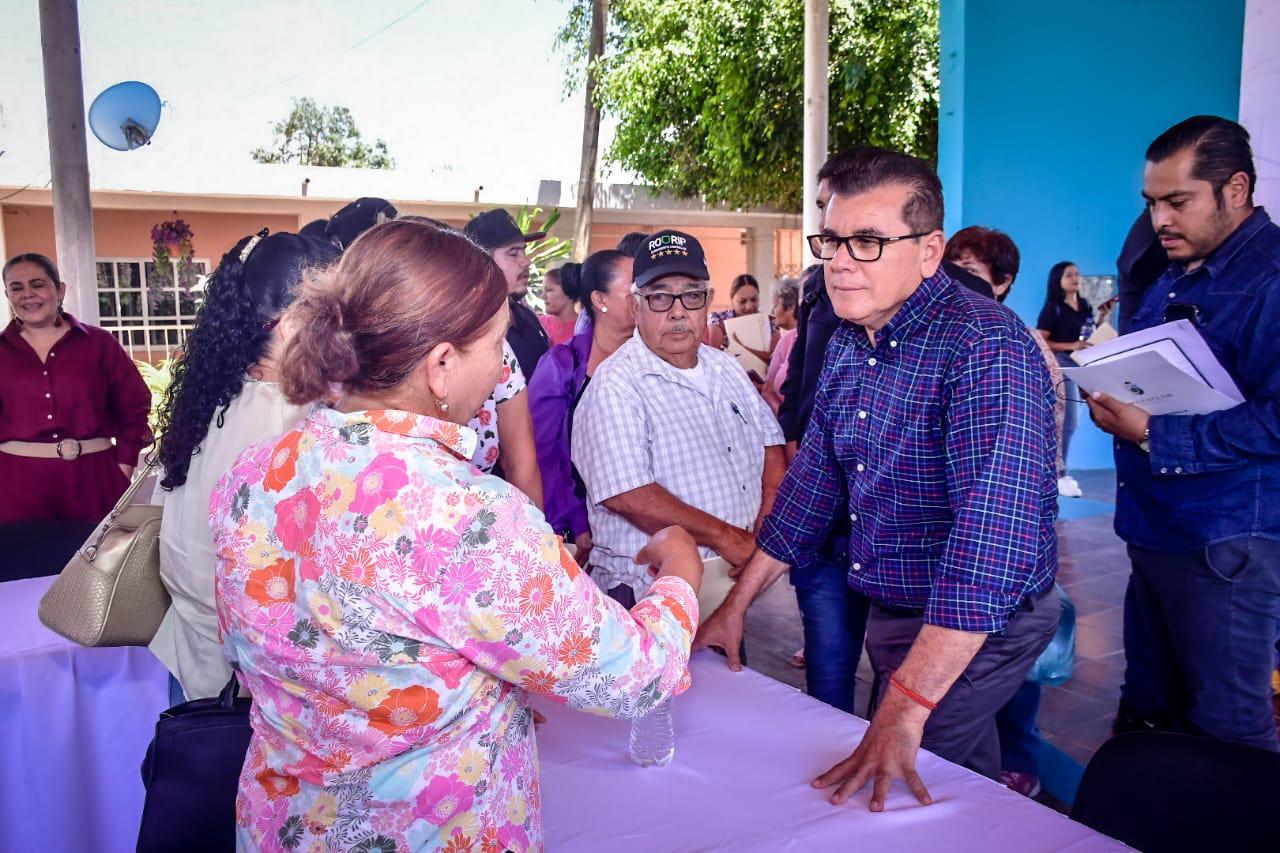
{"x": 744, "y": 438}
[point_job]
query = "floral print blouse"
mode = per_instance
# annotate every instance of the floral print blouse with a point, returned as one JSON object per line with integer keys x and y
{"x": 511, "y": 381}
{"x": 391, "y": 608}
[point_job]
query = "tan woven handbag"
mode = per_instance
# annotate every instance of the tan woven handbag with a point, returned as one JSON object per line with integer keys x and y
{"x": 110, "y": 594}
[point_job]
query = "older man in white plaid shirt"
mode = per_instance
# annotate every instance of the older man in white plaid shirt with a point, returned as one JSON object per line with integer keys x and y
{"x": 669, "y": 431}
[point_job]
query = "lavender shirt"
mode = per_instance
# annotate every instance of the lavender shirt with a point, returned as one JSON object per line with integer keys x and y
{"x": 553, "y": 390}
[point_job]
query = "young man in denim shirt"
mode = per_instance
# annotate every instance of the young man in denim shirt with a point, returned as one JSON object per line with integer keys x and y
{"x": 1198, "y": 496}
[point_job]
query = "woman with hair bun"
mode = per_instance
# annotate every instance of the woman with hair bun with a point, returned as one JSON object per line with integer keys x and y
{"x": 73, "y": 407}
{"x": 502, "y": 425}
{"x": 225, "y": 395}
{"x": 561, "y": 309}
{"x": 603, "y": 287}
{"x": 389, "y": 606}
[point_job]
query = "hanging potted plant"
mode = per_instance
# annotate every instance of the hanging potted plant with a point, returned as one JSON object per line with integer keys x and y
{"x": 173, "y": 240}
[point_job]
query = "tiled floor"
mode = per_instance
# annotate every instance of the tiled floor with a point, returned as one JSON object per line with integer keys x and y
{"x": 1076, "y": 717}
{"x": 1093, "y": 569}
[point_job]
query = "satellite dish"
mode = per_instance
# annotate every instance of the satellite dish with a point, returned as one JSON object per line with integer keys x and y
{"x": 124, "y": 116}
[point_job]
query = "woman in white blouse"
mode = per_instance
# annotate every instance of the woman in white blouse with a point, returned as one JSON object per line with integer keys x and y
{"x": 223, "y": 398}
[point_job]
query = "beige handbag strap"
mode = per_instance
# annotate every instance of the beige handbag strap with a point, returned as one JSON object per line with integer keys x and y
{"x": 90, "y": 549}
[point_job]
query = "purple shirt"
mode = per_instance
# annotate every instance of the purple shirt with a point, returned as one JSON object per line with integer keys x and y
{"x": 553, "y": 392}
{"x": 942, "y": 436}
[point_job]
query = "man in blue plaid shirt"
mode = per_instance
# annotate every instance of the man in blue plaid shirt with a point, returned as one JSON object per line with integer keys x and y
{"x": 934, "y": 414}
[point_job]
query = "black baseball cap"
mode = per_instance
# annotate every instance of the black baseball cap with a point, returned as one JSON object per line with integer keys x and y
{"x": 358, "y": 217}
{"x": 669, "y": 253}
{"x": 496, "y": 228}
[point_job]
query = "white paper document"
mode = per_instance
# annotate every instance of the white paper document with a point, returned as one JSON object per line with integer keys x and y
{"x": 1149, "y": 381}
{"x": 716, "y": 584}
{"x": 1103, "y": 334}
{"x": 1177, "y": 343}
{"x": 752, "y": 331}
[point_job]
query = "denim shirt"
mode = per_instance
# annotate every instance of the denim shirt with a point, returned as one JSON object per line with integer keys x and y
{"x": 1214, "y": 477}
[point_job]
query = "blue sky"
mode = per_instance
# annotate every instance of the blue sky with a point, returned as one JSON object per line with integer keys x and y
{"x": 462, "y": 86}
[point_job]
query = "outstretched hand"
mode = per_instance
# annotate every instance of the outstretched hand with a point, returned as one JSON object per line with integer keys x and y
{"x": 887, "y": 752}
{"x": 722, "y": 630}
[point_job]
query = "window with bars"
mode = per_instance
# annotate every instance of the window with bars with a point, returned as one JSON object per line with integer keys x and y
{"x": 149, "y": 309}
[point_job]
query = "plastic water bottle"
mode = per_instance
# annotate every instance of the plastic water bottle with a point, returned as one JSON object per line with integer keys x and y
{"x": 653, "y": 737}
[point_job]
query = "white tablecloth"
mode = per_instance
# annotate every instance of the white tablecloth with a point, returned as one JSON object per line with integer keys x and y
{"x": 746, "y": 749}
{"x": 74, "y": 724}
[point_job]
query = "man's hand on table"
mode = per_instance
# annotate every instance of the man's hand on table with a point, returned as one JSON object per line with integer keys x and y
{"x": 722, "y": 630}
{"x": 887, "y": 752}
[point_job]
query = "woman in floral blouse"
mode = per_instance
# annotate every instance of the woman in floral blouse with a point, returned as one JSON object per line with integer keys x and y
{"x": 389, "y": 606}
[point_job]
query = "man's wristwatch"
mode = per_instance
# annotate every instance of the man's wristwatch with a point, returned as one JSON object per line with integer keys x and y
{"x": 1145, "y": 444}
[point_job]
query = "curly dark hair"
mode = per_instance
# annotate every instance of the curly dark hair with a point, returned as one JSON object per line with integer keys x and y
{"x": 241, "y": 302}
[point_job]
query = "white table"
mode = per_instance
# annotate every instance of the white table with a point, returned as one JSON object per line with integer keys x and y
{"x": 74, "y": 724}
{"x": 746, "y": 748}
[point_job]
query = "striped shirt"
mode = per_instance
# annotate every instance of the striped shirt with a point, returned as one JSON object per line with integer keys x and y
{"x": 942, "y": 432}
{"x": 643, "y": 421}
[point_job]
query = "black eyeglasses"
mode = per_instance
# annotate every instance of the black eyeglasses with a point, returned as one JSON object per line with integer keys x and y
{"x": 1060, "y": 388}
{"x": 661, "y": 302}
{"x": 861, "y": 247}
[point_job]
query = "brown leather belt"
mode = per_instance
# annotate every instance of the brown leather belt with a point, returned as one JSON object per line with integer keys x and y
{"x": 67, "y": 449}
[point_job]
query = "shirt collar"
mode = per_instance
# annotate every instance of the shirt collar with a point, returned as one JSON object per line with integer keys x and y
{"x": 1221, "y": 256}
{"x": 458, "y": 440}
{"x": 650, "y": 363}
{"x": 915, "y": 311}
{"x": 74, "y": 323}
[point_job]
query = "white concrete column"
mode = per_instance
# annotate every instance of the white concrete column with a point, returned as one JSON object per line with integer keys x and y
{"x": 68, "y": 156}
{"x": 761, "y": 262}
{"x": 1259, "y": 106}
{"x": 817, "y": 31}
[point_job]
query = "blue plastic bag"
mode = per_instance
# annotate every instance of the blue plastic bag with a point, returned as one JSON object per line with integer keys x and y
{"x": 1058, "y": 661}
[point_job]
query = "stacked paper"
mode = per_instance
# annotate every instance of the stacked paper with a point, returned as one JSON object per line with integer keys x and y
{"x": 1165, "y": 370}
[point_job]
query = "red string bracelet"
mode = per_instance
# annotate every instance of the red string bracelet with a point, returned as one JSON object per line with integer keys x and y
{"x": 911, "y": 694}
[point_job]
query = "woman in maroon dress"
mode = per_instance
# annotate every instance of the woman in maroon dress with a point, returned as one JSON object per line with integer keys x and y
{"x": 73, "y": 408}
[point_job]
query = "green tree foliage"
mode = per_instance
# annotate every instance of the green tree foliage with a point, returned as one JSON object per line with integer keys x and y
{"x": 708, "y": 95}
{"x": 315, "y": 135}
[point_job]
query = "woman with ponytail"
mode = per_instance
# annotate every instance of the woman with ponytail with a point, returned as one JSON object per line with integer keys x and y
{"x": 603, "y": 286}
{"x": 225, "y": 395}
{"x": 562, "y": 310}
{"x": 73, "y": 407}
{"x": 389, "y": 606}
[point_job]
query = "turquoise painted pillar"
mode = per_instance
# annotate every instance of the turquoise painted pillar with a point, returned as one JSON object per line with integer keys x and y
{"x": 1046, "y": 112}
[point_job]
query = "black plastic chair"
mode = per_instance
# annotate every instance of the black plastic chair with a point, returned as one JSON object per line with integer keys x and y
{"x": 1158, "y": 791}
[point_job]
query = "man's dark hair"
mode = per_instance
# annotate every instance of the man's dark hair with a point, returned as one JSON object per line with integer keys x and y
{"x": 864, "y": 168}
{"x": 1221, "y": 149}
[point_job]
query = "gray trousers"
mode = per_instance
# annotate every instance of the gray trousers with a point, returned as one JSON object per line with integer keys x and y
{"x": 963, "y": 728}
